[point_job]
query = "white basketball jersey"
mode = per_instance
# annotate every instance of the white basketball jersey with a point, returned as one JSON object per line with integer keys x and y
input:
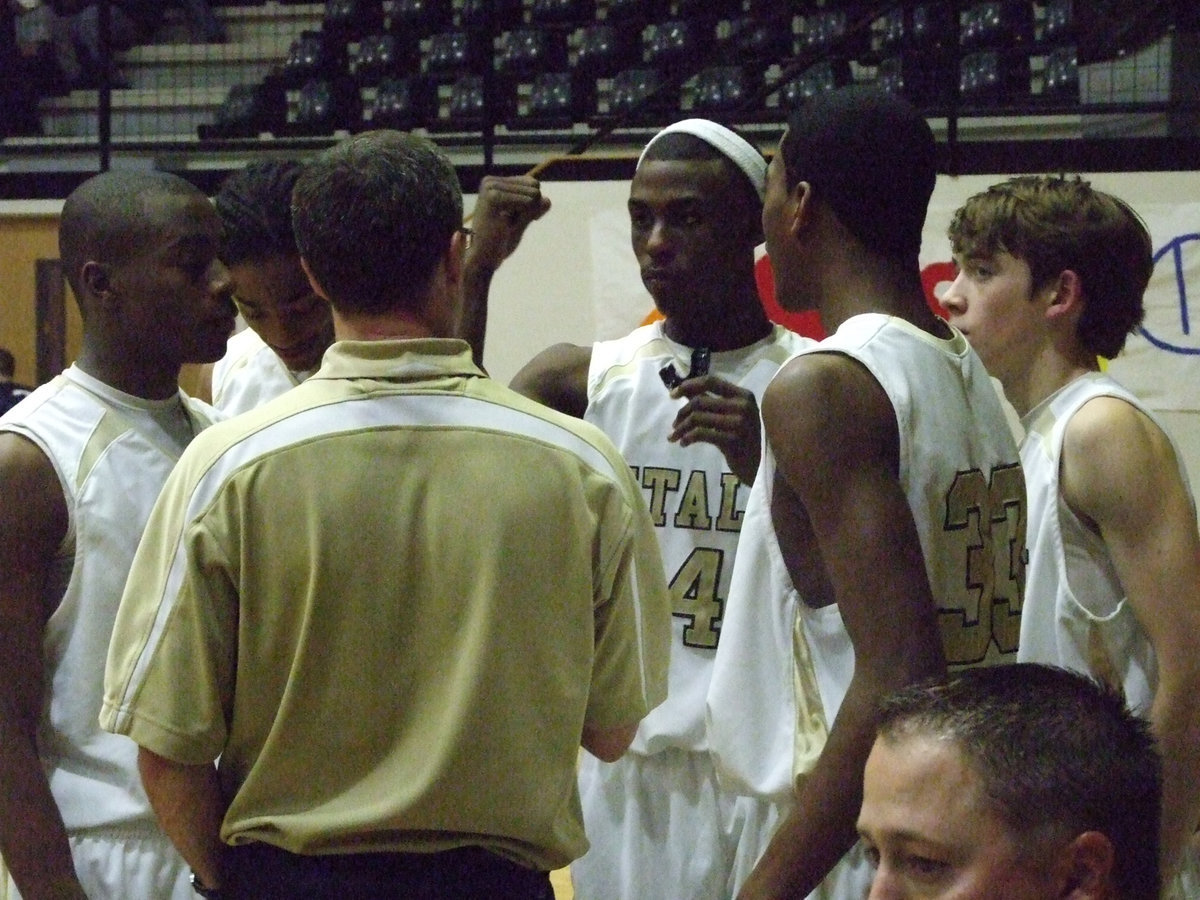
{"x": 696, "y": 503}
{"x": 249, "y": 374}
{"x": 112, "y": 458}
{"x": 784, "y": 667}
{"x": 1078, "y": 616}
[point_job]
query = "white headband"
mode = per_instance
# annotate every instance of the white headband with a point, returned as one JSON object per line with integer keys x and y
{"x": 738, "y": 150}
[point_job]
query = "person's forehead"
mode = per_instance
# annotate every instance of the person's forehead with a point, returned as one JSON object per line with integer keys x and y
{"x": 924, "y": 797}
{"x": 990, "y": 253}
{"x": 700, "y": 178}
{"x": 274, "y": 280}
{"x": 168, "y": 219}
{"x": 923, "y": 785}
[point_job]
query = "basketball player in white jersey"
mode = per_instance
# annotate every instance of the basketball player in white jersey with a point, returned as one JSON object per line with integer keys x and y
{"x": 679, "y": 399}
{"x": 82, "y": 460}
{"x": 888, "y": 501}
{"x": 1051, "y": 277}
{"x": 290, "y": 327}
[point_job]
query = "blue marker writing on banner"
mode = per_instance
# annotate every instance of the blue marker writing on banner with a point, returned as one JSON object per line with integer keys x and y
{"x": 1175, "y": 248}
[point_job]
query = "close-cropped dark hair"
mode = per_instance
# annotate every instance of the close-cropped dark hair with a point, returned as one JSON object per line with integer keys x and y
{"x": 110, "y": 218}
{"x": 373, "y": 217}
{"x": 1055, "y": 224}
{"x": 8, "y": 365}
{"x": 872, "y": 158}
{"x": 1057, "y": 754}
{"x": 255, "y": 206}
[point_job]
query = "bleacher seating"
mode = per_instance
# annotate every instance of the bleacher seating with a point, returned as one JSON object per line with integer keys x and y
{"x": 175, "y": 86}
{"x": 298, "y": 68}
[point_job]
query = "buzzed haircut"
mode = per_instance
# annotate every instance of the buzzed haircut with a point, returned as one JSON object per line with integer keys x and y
{"x": 687, "y": 147}
{"x": 108, "y": 218}
{"x": 373, "y": 217}
{"x": 872, "y": 158}
{"x": 1057, "y": 754}
{"x": 1056, "y": 223}
{"x": 8, "y": 365}
{"x": 255, "y": 206}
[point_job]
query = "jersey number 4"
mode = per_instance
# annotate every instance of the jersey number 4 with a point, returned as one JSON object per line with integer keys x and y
{"x": 694, "y": 597}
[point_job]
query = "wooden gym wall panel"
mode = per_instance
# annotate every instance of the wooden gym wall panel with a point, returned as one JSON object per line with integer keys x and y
{"x": 25, "y": 239}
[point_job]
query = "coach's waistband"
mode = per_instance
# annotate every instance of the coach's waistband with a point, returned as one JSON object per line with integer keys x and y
{"x": 264, "y": 872}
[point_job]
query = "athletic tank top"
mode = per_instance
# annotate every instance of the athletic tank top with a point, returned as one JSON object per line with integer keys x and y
{"x": 249, "y": 374}
{"x": 959, "y": 469}
{"x": 112, "y": 453}
{"x": 695, "y": 502}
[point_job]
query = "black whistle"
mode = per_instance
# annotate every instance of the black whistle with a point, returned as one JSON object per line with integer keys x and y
{"x": 701, "y": 357}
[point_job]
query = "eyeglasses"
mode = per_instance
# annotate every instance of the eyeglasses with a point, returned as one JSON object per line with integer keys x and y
{"x": 468, "y": 237}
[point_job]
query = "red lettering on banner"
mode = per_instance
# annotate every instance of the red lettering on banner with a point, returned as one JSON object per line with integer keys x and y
{"x": 933, "y": 275}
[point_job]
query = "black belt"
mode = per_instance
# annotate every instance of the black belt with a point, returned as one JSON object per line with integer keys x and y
{"x": 258, "y": 871}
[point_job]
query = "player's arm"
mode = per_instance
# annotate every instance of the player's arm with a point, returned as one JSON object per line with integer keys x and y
{"x": 503, "y": 211}
{"x": 557, "y": 377}
{"x": 33, "y": 521}
{"x": 608, "y": 744}
{"x": 1120, "y": 473}
{"x": 719, "y": 412}
{"x": 833, "y": 432}
{"x": 188, "y": 805}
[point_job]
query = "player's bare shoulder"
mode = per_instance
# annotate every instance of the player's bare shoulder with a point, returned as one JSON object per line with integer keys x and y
{"x": 29, "y": 480}
{"x": 828, "y": 400}
{"x": 1109, "y": 422}
{"x": 557, "y": 377}
{"x": 1114, "y": 453}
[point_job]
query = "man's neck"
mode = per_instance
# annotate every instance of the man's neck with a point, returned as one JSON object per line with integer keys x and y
{"x": 883, "y": 298}
{"x": 385, "y": 327}
{"x": 742, "y": 325}
{"x": 1045, "y": 377}
{"x": 853, "y": 281}
{"x": 149, "y": 382}
{"x": 718, "y": 340}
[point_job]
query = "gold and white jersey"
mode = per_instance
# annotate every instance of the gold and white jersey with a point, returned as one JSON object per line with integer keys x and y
{"x": 696, "y": 503}
{"x": 960, "y": 471}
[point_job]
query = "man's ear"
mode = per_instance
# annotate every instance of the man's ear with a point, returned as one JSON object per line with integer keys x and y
{"x": 1085, "y": 868}
{"x": 312, "y": 281}
{"x": 95, "y": 280}
{"x": 801, "y": 208}
{"x": 1066, "y": 295}
{"x": 455, "y": 256}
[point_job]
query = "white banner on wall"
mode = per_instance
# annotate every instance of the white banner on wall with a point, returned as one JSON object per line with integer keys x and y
{"x": 1161, "y": 363}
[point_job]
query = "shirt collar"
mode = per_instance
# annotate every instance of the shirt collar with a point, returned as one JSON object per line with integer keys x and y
{"x": 419, "y": 358}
